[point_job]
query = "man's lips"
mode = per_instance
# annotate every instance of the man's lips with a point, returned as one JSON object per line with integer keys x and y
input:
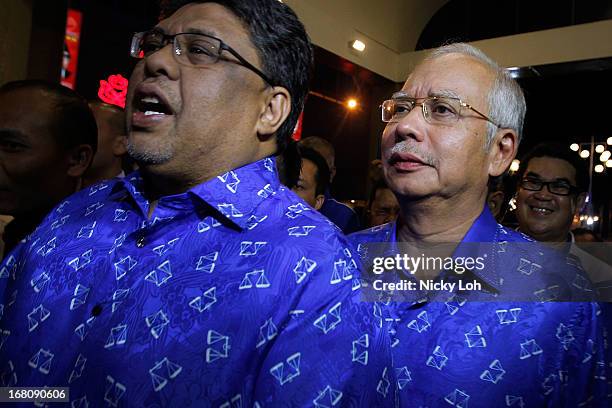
{"x": 150, "y": 106}
{"x": 406, "y": 162}
{"x": 142, "y": 120}
{"x": 538, "y": 209}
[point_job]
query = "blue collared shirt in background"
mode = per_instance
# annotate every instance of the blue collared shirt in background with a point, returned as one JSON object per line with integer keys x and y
{"x": 340, "y": 214}
{"x": 232, "y": 294}
{"x": 456, "y": 352}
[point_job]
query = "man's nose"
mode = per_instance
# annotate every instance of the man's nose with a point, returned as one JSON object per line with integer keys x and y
{"x": 412, "y": 125}
{"x": 544, "y": 194}
{"x": 162, "y": 62}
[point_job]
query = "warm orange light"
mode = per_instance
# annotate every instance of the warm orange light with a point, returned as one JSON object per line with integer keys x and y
{"x": 351, "y": 103}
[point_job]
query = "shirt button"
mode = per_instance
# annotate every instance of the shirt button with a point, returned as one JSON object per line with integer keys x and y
{"x": 96, "y": 310}
{"x": 140, "y": 242}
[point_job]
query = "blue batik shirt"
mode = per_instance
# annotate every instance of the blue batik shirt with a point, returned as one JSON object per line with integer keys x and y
{"x": 454, "y": 352}
{"x": 233, "y": 294}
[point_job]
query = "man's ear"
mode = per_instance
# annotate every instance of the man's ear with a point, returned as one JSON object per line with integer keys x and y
{"x": 495, "y": 201}
{"x": 319, "y": 200}
{"x": 79, "y": 160}
{"x": 332, "y": 174}
{"x": 580, "y": 200}
{"x": 502, "y": 151}
{"x": 276, "y": 110}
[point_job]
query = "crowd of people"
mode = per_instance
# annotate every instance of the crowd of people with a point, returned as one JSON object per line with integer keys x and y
{"x": 215, "y": 268}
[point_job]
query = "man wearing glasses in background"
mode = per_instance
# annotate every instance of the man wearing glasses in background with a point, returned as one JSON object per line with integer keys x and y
{"x": 457, "y": 122}
{"x": 551, "y": 191}
{"x": 199, "y": 280}
{"x": 553, "y": 184}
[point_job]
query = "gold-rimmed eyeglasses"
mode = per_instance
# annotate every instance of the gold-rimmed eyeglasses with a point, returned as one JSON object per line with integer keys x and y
{"x": 437, "y": 110}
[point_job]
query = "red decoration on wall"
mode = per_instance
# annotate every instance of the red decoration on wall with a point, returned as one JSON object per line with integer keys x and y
{"x": 70, "y": 58}
{"x": 297, "y": 131}
{"x": 114, "y": 90}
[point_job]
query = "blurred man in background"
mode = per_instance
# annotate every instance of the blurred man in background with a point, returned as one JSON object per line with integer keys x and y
{"x": 382, "y": 205}
{"x": 48, "y": 136}
{"x": 340, "y": 214}
{"x": 112, "y": 140}
{"x": 314, "y": 178}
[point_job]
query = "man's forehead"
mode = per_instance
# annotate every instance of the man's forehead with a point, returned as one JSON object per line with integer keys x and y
{"x": 39, "y": 104}
{"x": 453, "y": 75}
{"x": 203, "y": 18}
{"x": 551, "y": 168}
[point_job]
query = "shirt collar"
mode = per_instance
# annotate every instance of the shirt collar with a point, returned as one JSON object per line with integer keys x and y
{"x": 484, "y": 230}
{"x": 235, "y": 194}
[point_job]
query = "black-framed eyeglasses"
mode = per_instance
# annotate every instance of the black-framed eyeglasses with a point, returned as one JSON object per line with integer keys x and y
{"x": 560, "y": 188}
{"x": 437, "y": 110}
{"x": 192, "y": 49}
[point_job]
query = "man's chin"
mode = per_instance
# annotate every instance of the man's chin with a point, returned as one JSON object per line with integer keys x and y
{"x": 412, "y": 191}
{"x": 540, "y": 231}
{"x": 149, "y": 156}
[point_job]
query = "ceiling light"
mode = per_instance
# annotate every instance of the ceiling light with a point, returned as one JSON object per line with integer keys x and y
{"x": 358, "y": 45}
{"x": 599, "y": 168}
{"x": 514, "y": 71}
{"x": 584, "y": 154}
{"x": 574, "y": 147}
{"x": 351, "y": 103}
{"x": 605, "y": 156}
{"x": 609, "y": 163}
{"x": 609, "y": 141}
{"x": 600, "y": 148}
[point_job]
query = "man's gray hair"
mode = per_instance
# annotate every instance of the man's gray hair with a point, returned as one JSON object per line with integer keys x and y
{"x": 506, "y": 100}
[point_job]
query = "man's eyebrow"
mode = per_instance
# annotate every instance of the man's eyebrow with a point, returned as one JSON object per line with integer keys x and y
{"x": 532, "y": 174}
{"x": 201, "y": 31}
{"x": 536, "y": 175}
{"x": 445, "y": 93}
{"x": 14, "y": 133}
{"x": 400, "y": 95}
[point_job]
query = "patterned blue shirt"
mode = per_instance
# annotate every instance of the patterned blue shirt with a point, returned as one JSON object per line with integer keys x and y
{"x": 233, "y": 294}
{"x": 454, "y": 352}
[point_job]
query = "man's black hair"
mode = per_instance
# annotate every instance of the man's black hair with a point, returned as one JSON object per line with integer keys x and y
{"x": 74, "y": 123}
{"x": 282, "y": 44}
{"x": 322, "y": 174}
{"x": 289, "y": 164}
{"x": 562, "y": 152}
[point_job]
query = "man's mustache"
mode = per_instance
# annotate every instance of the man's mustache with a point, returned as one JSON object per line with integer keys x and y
{"x": 407, "y": 146}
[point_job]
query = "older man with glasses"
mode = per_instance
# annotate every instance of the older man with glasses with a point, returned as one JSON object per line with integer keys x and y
{"x": 478, "y": 315}
{"x": 199, "y": 280}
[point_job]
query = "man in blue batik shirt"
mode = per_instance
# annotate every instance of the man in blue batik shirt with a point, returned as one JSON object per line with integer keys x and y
{"x": 200, "y": 280}
{"x": 455, "y": 123}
